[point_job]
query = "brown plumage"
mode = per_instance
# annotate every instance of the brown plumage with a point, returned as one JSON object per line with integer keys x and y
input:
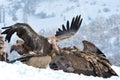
{"x": 19, "y": 48}
{"x": 3, "y": 54}
{"x": 90, "y": 47}
{"x": 38, "y": 43}
{"x": 86, "y": 61}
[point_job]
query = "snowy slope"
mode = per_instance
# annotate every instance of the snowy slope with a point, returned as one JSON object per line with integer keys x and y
{"x": 19, "y": 71}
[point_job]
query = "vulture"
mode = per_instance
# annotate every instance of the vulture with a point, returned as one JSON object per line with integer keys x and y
{"x": 89, "y": 61}
{"x": 33, "y": 42}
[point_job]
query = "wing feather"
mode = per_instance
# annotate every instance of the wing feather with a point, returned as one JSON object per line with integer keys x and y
{"x": 63, "y": 27}
{"x": 24, "y": 31}
{"x": 89, "y": 46}
{"x": 59, "y": 29}
{"x": 68, "y": 25}
{"x": 72, "y": 23}
{"x": 69, "y": 30}
{"x": 6, "y": 31}
{"x": 8, "y": 37}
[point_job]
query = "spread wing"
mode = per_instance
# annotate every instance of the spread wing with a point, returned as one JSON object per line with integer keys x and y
{"x": 70, "y": 29}
{"x": 24, "y": 31}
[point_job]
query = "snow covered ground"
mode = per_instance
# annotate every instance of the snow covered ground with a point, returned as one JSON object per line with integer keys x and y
{"x": 19, "y": 71}
{"x": 49, "y": 15}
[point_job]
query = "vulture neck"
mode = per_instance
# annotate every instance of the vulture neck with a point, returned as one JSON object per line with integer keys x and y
{"x": 52, "y": 40}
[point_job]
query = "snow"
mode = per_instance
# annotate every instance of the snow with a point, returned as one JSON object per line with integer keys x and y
{"x": 20, "y": 71}
{"x": 4, "y": 2}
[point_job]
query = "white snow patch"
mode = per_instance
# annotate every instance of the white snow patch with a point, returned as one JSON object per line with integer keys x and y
{"x": 20, "y": 71}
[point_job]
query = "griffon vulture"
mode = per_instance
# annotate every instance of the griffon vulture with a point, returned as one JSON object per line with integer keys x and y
{"x": 38, "y": 43}
{"x": 89, "y": 61}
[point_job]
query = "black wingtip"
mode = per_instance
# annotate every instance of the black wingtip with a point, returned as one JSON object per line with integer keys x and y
{"x": 80, "y": 20}
{"x": 67, "y": 24}
{"x": 70, "y": 27}
{"x": 63, "y": 27}
{"x": 6, "y": 27}
{"x": 76, "y": 23}
{"x": 6, "y": 31}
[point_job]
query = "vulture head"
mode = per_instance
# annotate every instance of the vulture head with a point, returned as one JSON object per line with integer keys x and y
{"x": 39, "y": 44}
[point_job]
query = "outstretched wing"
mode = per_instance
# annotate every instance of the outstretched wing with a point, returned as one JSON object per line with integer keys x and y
{"x": 24, "y": 31}
{"x": 69, "y": 30}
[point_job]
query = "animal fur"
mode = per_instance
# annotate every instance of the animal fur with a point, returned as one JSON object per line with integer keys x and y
{"x": 3, "y": 54}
